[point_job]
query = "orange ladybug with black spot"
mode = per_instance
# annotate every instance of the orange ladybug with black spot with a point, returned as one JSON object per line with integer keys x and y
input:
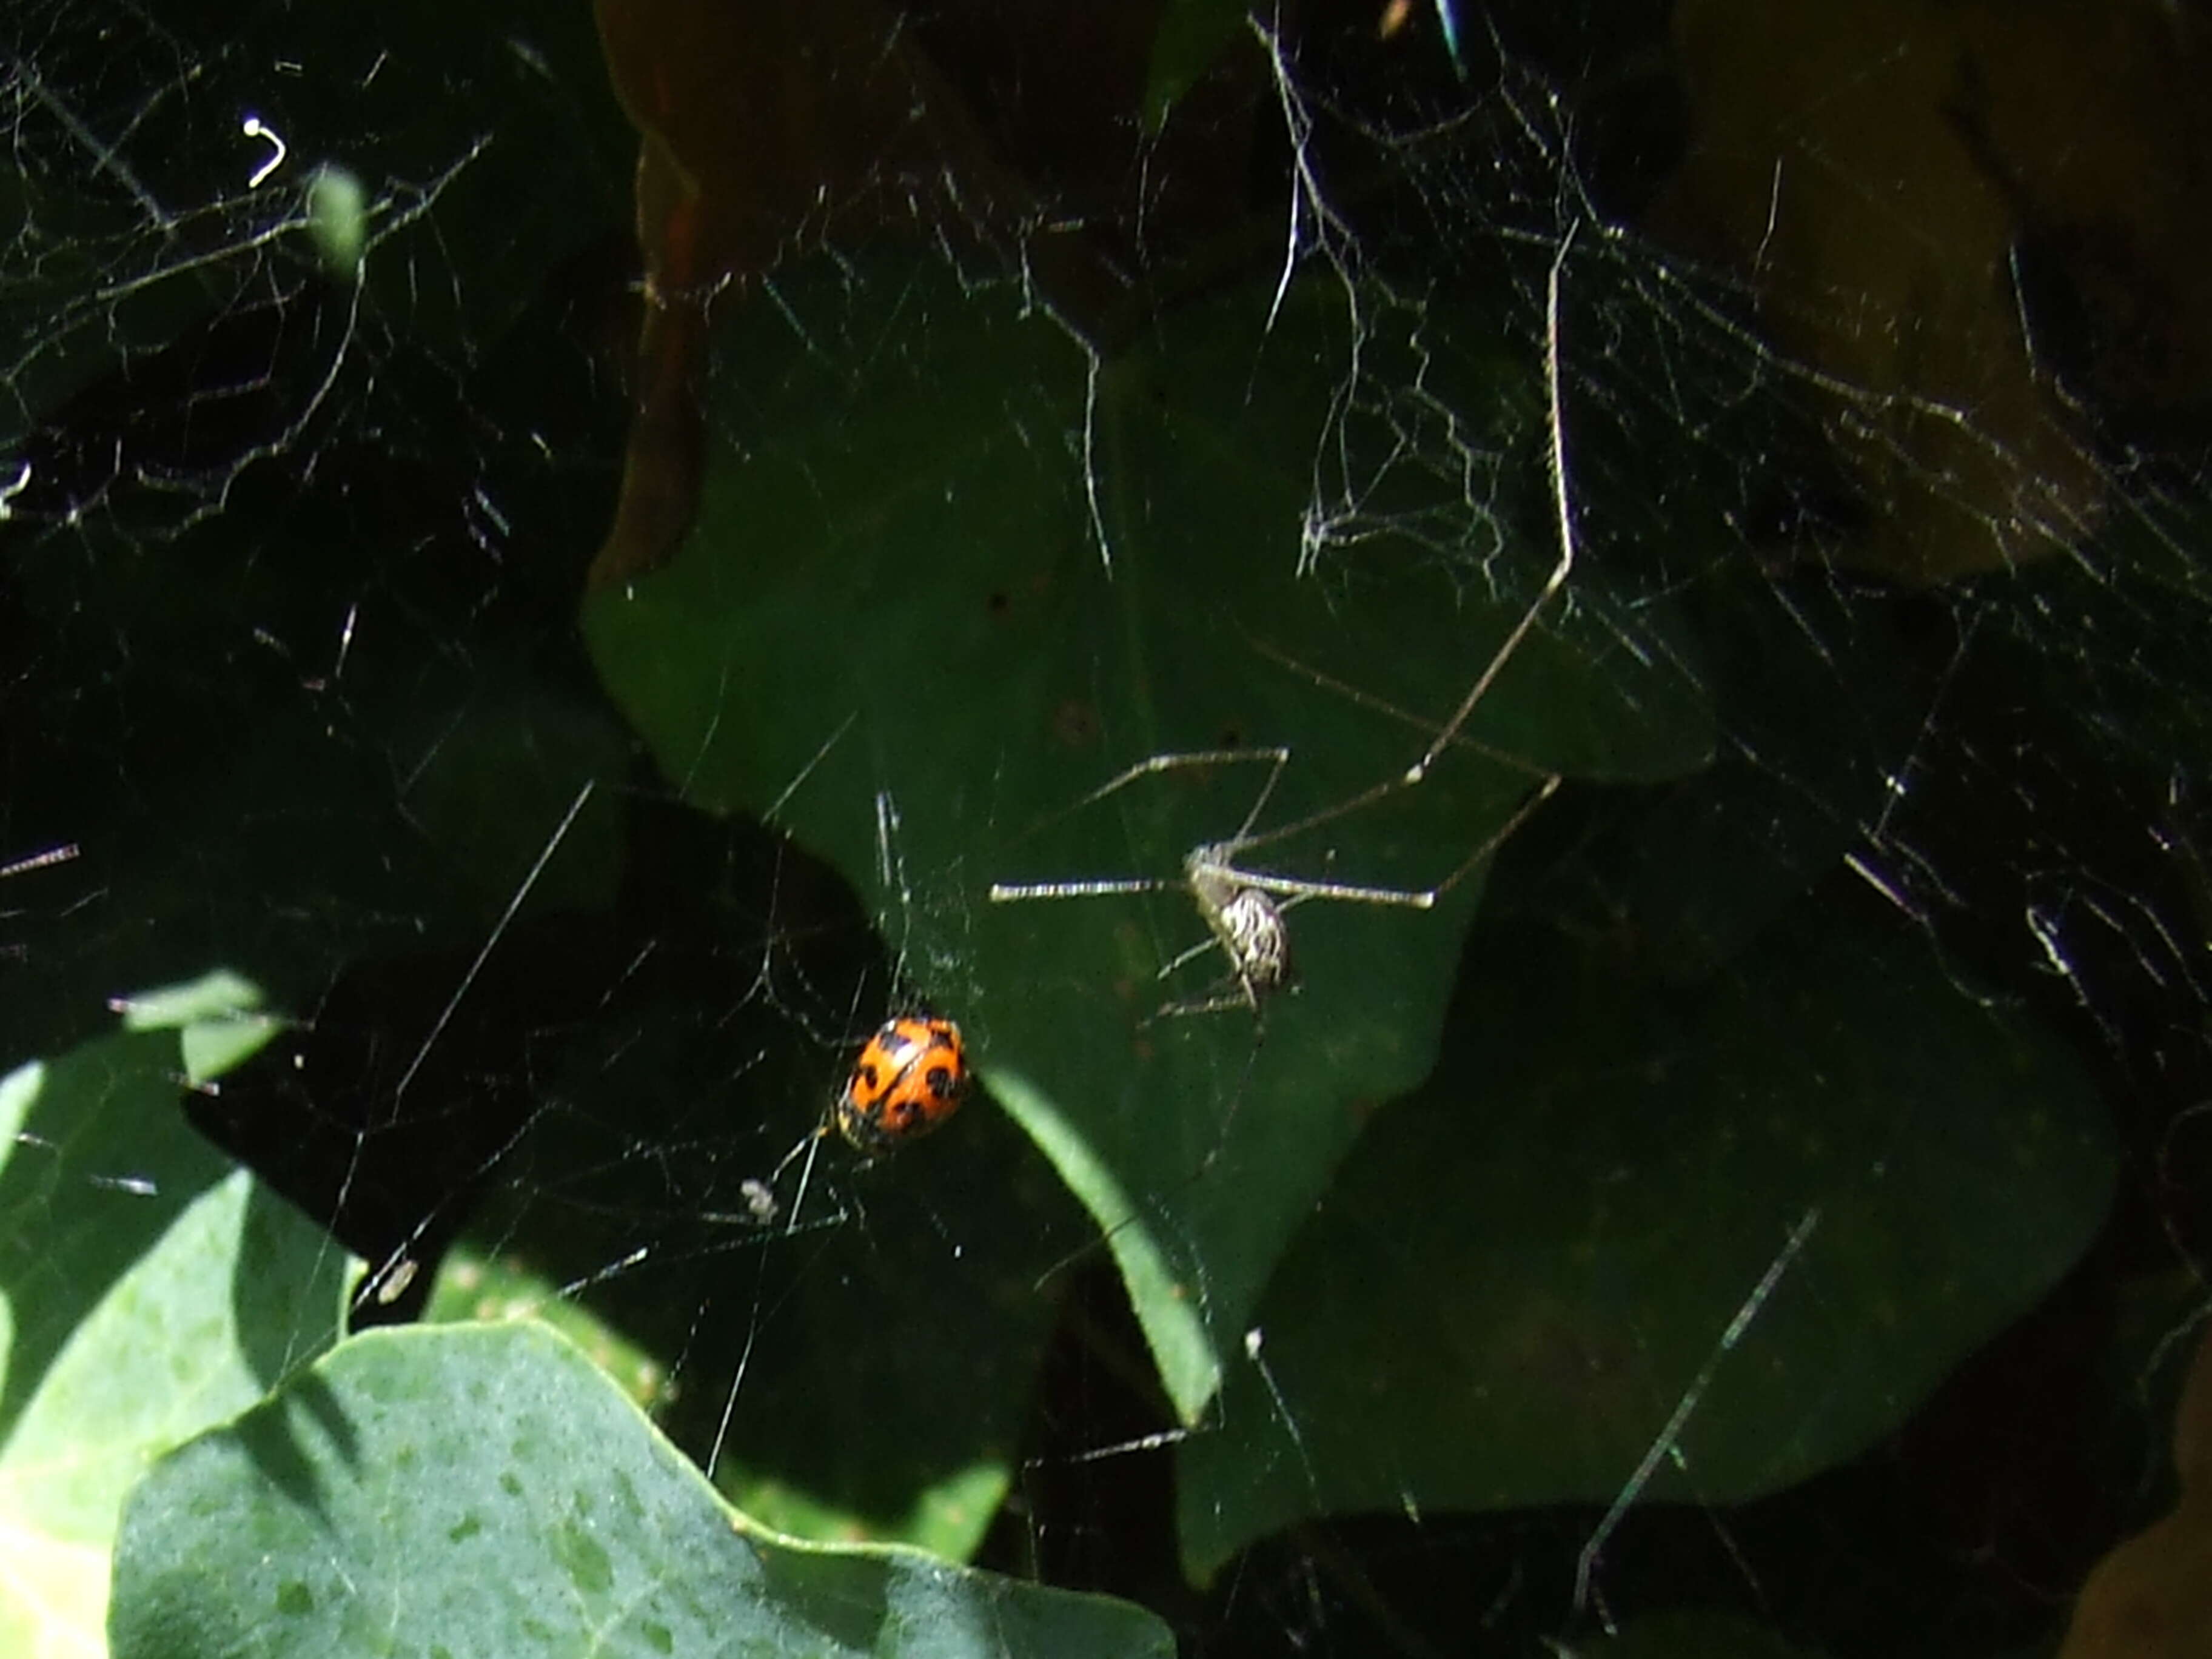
{"x": 909, "y": 1079}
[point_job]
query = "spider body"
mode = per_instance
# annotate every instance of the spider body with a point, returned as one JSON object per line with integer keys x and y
{"x": 1245, "y": 922}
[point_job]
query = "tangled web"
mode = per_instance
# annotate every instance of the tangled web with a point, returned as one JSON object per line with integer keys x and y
{"x": 1529, "y": 682}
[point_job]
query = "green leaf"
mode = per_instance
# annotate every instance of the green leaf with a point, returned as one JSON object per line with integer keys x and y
{"x": 149, "y": 1291}
{"x": 217, "y": 1019}
{"x": 479, "y": 1489}
{"x": 480, "y": 1287}
{"x": 950, "y": 575}
{"x": 1626, "y": 1164}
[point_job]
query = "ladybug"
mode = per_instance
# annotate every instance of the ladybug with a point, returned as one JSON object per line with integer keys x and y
{"x": 908, "y": 1080}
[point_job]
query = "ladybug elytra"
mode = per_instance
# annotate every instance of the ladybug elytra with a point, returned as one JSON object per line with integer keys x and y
{"x": 908, "y": 1080}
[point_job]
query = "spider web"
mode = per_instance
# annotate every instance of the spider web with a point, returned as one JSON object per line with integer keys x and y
{"x": 1763, "y": 1201}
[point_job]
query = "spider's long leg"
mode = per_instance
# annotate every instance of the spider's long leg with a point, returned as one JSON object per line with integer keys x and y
{"x": 1191, "y": 955}
{"x": 1560, "y": 504}
{"x": 1297, "y": 891}
{"x": 1226, "y": 1002}
{"x": 1503, "y": 833}
{"x": 53, "y": 855}
{"x": 1448, "y": 733}
{"x": 1005, "y": 891}
{"x": 1297, "y": 888}
{"x": 1361, "y": 698}
{"x": 1259, "y": 801}
{"x": 1175, "y": 761}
